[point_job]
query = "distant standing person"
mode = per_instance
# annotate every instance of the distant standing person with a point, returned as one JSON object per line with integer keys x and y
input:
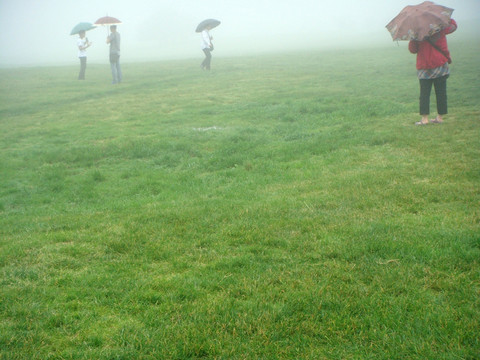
{"x": 433, "y": 58}
{"x": 82, "y": 44}
{"x": 207, "y": 47}
{"x": 114, "y": 40}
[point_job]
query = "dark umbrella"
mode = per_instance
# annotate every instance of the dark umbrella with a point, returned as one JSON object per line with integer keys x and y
{"x": 416, "y": 22}
{"x": 207, "y": 23}
{"x": 83, "y": 26}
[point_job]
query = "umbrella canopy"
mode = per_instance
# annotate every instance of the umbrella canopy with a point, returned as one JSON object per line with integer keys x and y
{"x": 107, "y": 20}
{"x": 419, "y": 21}
{"x": 83, "y": 26}
{"x": 207, "y": 23}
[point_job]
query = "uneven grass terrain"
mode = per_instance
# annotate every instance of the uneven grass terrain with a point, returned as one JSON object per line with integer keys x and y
{"x": 279, "y": 207}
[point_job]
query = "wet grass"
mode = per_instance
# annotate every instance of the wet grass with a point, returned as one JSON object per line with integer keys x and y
{"x": 278, "y": 207}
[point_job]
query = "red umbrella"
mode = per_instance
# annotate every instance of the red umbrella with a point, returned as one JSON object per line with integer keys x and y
{"x": 107, "y": 20}
{"x": 419, "y": 21}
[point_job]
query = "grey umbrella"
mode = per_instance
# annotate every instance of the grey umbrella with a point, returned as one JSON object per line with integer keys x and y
{"x": 207, "y": 23}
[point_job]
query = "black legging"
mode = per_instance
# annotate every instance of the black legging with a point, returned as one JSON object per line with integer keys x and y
{"x": 208, "y": 59}
{"x": 440, "y": 85}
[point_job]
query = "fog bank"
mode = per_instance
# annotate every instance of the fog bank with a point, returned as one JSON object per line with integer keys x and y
{"x": 37, "y": 32}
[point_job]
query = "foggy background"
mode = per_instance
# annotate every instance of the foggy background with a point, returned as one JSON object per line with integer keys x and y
{"x": 36, "y": 32}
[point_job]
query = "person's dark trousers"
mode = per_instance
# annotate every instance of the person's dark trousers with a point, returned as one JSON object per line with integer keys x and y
{"x": 440, "y": 85}
{"x": 208, "y": 59}
{"x": 115, "y": 68}
{"x": 83, "y": 67}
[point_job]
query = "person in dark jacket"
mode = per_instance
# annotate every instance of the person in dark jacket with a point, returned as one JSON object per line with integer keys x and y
{"x": 433, "y": 58}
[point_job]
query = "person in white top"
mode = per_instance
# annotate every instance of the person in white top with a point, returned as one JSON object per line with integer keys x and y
{"x": 207, "y": 47}
{"x": 82, "y": 44}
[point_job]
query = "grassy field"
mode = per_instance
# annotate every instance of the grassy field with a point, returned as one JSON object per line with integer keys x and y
{"x": 278, "y": 207}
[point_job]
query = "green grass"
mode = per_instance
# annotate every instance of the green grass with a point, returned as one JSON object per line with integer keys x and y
{"x": 279, "y": 207}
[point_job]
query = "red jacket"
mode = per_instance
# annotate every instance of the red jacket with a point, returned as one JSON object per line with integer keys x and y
{"x": 427, "y": 56}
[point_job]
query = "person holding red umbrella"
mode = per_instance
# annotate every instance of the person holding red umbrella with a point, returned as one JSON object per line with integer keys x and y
{"x": 425, "y": 26}
{"x": 433, "y": 58}
{"x": 114, "y": 40}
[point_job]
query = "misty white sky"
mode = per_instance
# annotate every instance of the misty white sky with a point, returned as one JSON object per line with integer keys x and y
{"x": 37, "y": 31}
